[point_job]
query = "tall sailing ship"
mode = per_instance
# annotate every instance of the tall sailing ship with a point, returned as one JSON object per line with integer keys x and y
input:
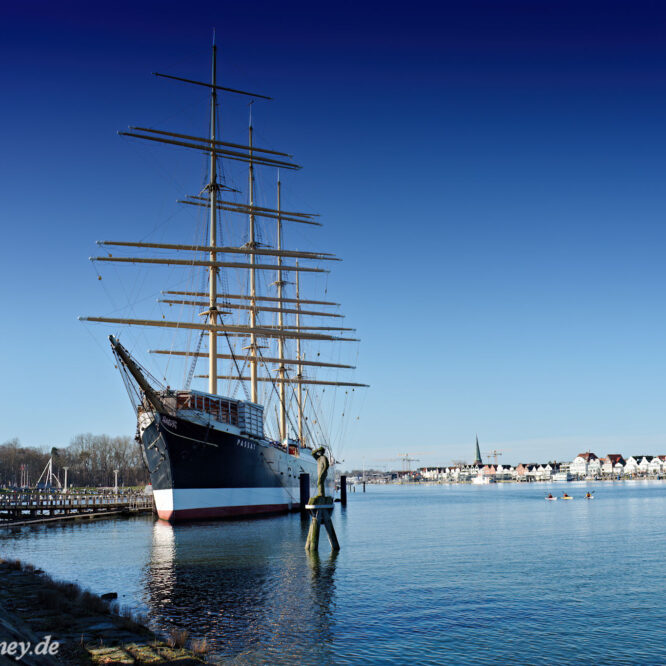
{"x": 208, "y": 453}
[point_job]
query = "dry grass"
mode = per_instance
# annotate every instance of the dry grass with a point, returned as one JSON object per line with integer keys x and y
{"x": 94, "y": 603}
{"x": 70, "y": 591}
{"x": 51, "y": 599}
{"x": 62, "y": 595}
{"x": 129, "y": 619}
{"x": 199, "y": 647}
{"x": 178, "y": 638}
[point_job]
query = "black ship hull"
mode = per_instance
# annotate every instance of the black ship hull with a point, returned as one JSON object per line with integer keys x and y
{"x": 200, "y": 472}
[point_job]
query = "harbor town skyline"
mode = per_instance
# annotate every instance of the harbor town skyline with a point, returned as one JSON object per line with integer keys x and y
{"x": 493, "y": 177}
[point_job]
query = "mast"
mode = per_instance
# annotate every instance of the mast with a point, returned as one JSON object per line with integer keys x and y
{"x": 214, "y": 256}
{"x": 252, "y": 245}
{"x": 280, "y": 284}
{"x": 299, "y": 375}
{"x": 212, "y": 271}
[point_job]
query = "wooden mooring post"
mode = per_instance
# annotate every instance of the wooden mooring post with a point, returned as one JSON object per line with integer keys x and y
{"x": 304, "y": 480}
{"x": 320, "y": 509}
{"x": 343, "y": 490}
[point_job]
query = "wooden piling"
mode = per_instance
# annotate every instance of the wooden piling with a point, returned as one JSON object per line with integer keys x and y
{"x": 328, "y": 524}
{"x": 343, "y": 490}
{"x": 312, "y": 543}
{"x": 320, "y": 509}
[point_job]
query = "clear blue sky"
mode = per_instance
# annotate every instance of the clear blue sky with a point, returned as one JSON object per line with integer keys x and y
{"x": 492, "y": 173}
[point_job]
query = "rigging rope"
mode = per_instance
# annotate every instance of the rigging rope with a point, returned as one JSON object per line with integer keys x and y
{"x": 274, "y": 385}
{"x": 195, "y": 358}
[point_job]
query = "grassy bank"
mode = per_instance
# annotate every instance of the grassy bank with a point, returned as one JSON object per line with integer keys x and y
{"x": 88, "y": 628}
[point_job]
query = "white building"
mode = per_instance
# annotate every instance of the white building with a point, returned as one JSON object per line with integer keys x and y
{"x": 594, "y": 466}
{"x": 644, "y": 465}
{"x": 656, "y": 466}
{"x": 505, "y": 472}
{"x": 613, "y": 465}
{"x": 631, "y": 466}
{"x": 580, "y": 467}
{"x": 433, "y": 473}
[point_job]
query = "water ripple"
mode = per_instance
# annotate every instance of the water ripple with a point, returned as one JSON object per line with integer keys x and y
{"x": 434, "y": 575}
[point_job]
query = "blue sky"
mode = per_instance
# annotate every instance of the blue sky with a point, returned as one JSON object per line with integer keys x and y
{"x": 492, "y": 174}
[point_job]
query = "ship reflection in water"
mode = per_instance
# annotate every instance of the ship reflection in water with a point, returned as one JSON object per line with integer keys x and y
{"x": 247, "y": 587}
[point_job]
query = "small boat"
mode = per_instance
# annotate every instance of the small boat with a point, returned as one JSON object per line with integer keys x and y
{"x": 482, "y": 480}
{"x": 551, "y": 499}
{"x": 567, "y": 497}
{"x": 588, "y": 496}
{"x": 562, "y": 476}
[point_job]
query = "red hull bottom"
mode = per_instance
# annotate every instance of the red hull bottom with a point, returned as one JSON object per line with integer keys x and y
{"x": 178, "y": 515}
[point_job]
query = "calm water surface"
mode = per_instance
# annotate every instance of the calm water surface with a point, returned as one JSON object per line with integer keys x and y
{"x": 431, "y": 574}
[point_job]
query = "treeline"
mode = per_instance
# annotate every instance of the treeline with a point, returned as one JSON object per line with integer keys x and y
{"x": 90, "y": 460}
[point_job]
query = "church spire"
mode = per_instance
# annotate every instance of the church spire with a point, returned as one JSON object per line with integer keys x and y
{"x": 477, "y": 460}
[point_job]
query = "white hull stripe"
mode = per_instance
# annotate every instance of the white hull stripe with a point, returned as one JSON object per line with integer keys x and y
{"x": 184, "y": 499}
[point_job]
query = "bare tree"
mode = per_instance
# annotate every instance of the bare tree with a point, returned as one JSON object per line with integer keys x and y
{"x": 90, "y": 458}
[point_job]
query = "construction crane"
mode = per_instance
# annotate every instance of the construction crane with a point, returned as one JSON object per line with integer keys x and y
{"x": 406, "y": 459}
{"x": 494, "y": 454}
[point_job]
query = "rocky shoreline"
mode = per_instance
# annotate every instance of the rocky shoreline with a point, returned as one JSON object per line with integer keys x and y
{"x": 43, "y": 621}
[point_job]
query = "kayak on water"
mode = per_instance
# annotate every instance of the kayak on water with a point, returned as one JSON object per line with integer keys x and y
{"x": 567, "y": 497}
{"x": 551, "y": 499}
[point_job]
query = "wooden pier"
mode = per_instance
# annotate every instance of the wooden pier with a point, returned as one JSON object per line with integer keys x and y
{"x": 34, "y": 506}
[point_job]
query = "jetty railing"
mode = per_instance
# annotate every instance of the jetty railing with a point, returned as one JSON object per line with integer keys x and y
{"x": 39, "y": 504}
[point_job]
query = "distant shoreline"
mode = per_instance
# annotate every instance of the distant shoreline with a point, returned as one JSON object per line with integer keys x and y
{"x": 516, "y": 481}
